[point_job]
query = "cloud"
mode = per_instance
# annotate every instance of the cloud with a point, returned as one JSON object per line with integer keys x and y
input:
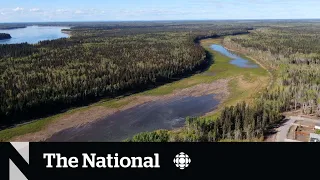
{"x": 79, "y": 12}
{"x": 35, "y": 10}
{"x": 18, "y": 9}
{"x": 91, "y": 11}
{"x": 160, "y": 12}
{"x": 62, "y": 11}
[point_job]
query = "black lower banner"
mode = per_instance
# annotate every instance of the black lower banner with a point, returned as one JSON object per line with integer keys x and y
{"x": 58, "y": 161}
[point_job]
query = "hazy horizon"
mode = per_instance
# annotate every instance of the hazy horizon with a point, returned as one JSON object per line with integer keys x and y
{"x": 173, "y": 20}
{"x": 165, "y": 10}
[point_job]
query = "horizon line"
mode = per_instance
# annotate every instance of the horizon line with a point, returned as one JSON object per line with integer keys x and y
{"x": 174, "y": 20}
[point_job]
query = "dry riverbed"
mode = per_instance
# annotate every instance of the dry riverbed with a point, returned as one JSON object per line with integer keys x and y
{"x": 79, "y": 118}
{"x": 228, "y": 83}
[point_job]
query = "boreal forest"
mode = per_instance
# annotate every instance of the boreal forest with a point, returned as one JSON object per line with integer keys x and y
{"x": 98, "y": 61}
{"x": 291, "y": 52}
{"x": 107, "y": 60}
{"x": 4, "y": 36}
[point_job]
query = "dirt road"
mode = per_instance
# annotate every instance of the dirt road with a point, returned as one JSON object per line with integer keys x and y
{"x": 282, "y": 131}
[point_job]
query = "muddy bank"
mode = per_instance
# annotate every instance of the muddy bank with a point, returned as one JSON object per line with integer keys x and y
{"x": 162, "y": 114}
{"x": 95, "y": 113}
{"x": 239, "y": 49}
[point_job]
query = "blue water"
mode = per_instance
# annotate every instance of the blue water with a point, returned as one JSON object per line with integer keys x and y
{"x": 34, "y": 34}
{"x": 236, "y": 60}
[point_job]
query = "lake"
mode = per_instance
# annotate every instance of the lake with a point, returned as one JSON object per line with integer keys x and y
{"x": 236, "y": 60}
{"x": 164, "y": 114}
{"x": 34, "y": 34}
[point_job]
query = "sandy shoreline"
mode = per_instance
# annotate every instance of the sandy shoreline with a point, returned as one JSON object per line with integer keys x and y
{"x": 69, "y": 33}
{"x": 79, "y": 118}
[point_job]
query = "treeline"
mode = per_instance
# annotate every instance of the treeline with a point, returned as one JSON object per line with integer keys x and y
{"x": 233, "y": 32}
{"x": 16, "y": 50}
{"x": 291, "y": 53}
{"x": 61, "y": 76}
{"x": 4, "y": 36}
{"x": 240, "y": 122}
{"x": 59, "y": 43}
{"x": 294, "y": 52}
{"x": 155, "y": 136}
{"x": 12, "y": 26}
{"x": 38, "y": 80}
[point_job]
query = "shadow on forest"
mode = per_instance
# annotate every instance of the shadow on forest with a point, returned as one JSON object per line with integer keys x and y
{"x": 272, "y": 128}
{"x": 53, "y": 109}
{"x": 28, "y": 118}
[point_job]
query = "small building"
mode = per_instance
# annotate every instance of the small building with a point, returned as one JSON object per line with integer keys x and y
{"x": 314, "y": 137}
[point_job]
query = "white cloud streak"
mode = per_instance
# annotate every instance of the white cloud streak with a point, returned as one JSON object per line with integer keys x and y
{"x": 18, "y": 9}
{"x": 35, "y": 10}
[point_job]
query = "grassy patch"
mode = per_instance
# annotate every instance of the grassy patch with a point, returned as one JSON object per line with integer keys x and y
{"x": 246, "y": 83}
{"x": 251, "y": 140}
{"x": 115, "y": 103}
{"x": 35, "y": 126}
{"x": 40, "y": 124}
{"x": 220, "y": 69}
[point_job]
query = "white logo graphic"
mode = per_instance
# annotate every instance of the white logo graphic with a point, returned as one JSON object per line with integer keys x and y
{"x": 182, "y": 160}
{"x": 14, "y": 171}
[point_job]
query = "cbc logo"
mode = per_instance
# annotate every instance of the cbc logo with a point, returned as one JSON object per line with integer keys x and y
{"x": 182, "y": 160}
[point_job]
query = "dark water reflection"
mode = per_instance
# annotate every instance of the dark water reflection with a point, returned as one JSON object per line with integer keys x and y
{"x": 168, "y": 114}
{"x": 236, "y": 60}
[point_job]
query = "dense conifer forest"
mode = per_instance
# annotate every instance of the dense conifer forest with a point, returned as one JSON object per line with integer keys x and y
{"x": 98, "y": 61}
{"x": 292, "y": 54}
{"x": 11, "y": 26}
{"x": 107, "y": 60}
{"x": 235, "y": 123}
{"x": 295, "y": 53}
{"x": 4, "y": 36}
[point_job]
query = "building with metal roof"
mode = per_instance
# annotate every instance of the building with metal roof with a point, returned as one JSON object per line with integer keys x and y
{"x": 314, "y": 137}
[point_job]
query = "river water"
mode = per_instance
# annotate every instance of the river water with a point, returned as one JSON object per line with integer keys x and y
{"x": 236, "y": 60}
{"x": 164, "y": 114}
{"x": 34, "y": 34}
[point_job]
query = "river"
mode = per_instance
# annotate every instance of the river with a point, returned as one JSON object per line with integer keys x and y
{"x": 236, "y": 59}
{"x": 163, "y": 114}
{"x": 34, "y": 34}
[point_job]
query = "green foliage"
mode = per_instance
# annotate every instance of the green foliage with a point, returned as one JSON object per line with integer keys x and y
{"x": 156, "y": 136}
{"x": 317, "y": 131}
{"x": 294, "y": 51}
{"x": 16, "y": 50}
{"x": 240, "y": 122}
{"x": 58, "y": 77}
{"x": 99, "y": 60}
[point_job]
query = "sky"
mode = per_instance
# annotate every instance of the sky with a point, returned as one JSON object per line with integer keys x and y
{"x": 148, "y": 10}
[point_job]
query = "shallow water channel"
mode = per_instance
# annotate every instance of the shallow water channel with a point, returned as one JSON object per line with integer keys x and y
{"x": 150, "y": 116}
{"x": 236, "y": 59}
{"x": 165, "y": 114}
